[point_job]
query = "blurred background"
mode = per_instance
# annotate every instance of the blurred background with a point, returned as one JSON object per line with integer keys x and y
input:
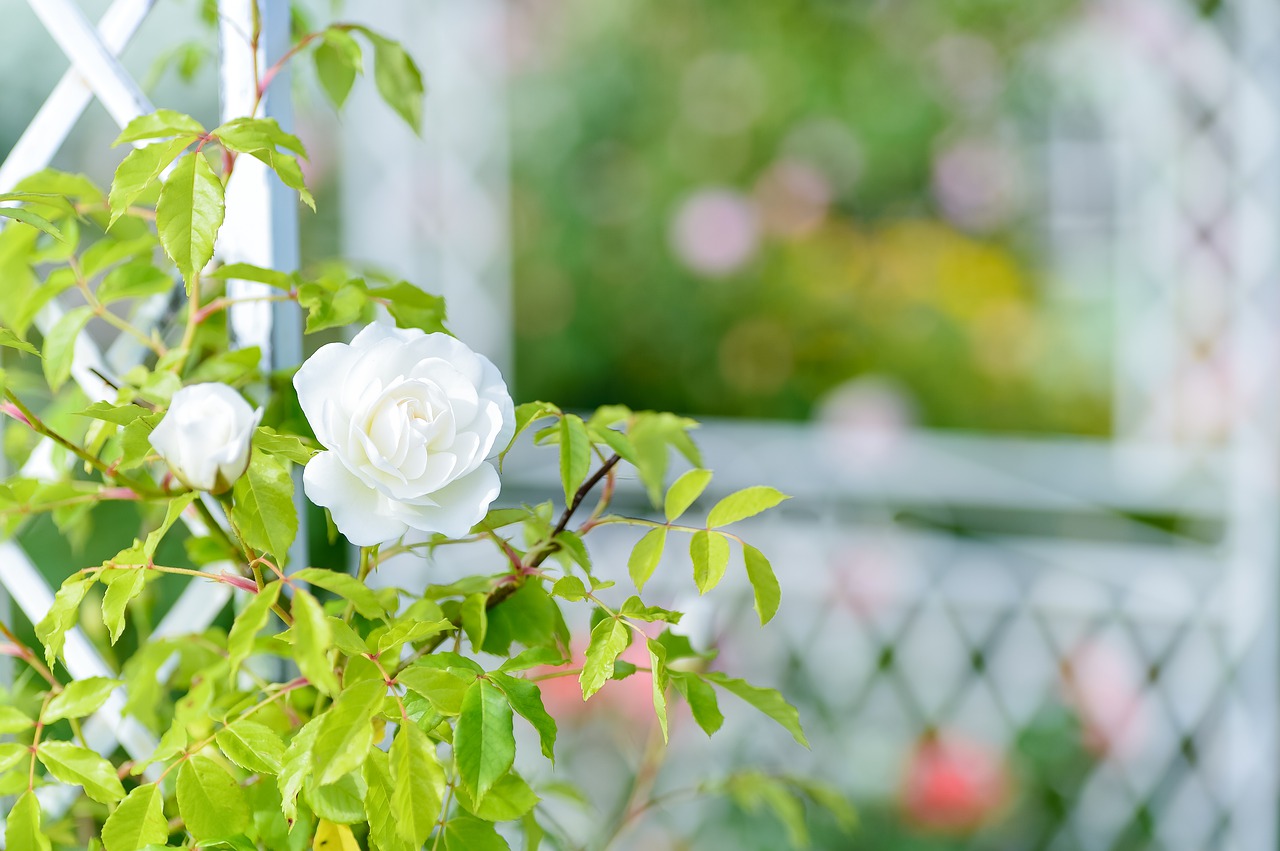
{"x": 990, "y": 286}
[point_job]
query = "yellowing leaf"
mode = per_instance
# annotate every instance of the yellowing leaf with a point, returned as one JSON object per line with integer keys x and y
{"x": 334, "y": 837}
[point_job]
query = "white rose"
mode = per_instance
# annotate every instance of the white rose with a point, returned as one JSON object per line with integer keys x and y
{"x": 205, "y": 436}
{"x": 411, "y": 421}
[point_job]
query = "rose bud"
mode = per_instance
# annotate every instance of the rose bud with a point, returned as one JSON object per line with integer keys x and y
{"x": 205, "y": 436}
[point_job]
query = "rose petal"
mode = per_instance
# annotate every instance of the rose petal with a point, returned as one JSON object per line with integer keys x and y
{"x": 459, "y": 505}
{"x": 357, "y": 509}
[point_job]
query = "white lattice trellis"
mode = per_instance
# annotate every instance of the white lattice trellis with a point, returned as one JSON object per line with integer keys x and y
{"x": 261, "y": 228}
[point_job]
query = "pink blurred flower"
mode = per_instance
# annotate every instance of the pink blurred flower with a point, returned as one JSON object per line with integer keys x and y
{"x": 792, "y": 198}
{"x": 1103, "y": 682}
{"x": 864, "y": 420}
{"x": 715, "y": 232}
{"x": 868, "y": 579}
{"x": 953, "y": 785}
{"x": 628, "y": 700}
{"x": 975, "y": 182}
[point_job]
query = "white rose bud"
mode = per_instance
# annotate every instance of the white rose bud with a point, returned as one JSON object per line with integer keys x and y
{"x": 411, "y": 422}
{"x": 205, "y": 436}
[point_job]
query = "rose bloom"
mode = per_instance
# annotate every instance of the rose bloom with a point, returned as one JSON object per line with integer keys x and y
{"x": 205, "y": 436}
{"x": 411, "y": 422}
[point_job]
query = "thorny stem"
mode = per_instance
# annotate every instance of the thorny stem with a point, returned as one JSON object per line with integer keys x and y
{"x": 590, "y": 483}
{"x": 219, "y": 304}
{"x": 39, "y": 427}
{"x": 642, "y": 785}
{"x": 193, "y": 314}
{"x": 444, "y": 811}
{"x": 639, "y": 521}
{"x": 35, "y": 742}
{"x": 29, "y": 656}
{"x": 105, "y": 495}
{"x": 506, "y": 589}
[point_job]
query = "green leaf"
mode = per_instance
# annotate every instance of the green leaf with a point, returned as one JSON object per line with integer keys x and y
{"x": 210, "y": 801}
{"x": 529, "y": 616}
{"x": 747, "y": 502}
{"x": 411, "y": 306}
{"x": 251, "y": 621}
{"x": 702, "y": 701}
{"x": 710, "y": 554}
{"x": 35, "y": 220}
{"x": 79, "y": 766}
{"x": 753, "y": 790}
{"x": 475, "y": 618}
{"x": 176, "y": 506}
{"x": 287, "y": 446}
{"x": 249, "y": 272}
{"x": 62, "y": 615}
{"x": 345, "y": 586}
{"x": 248, "y": 135}
{"x": 332, "y": 308}
{"x": 288, "y": 170}
{"x": 417, "y": 782}
{"x": 22, "y": 829}
{"x": 312, "y": 637}
{"x": 384, "y": 829}
{"x": 158, "y": 125}
{"x": 763, "y": 582}
{"x": 509, "y": 799}
{"x": 398, "y": 79}
{"x": 646, "y": 555}
{"x": 407, "y": 630}
{"x": 684, "y": 491}
{"x": 118, "y": 414}
{"x": 569, "y": 588}
{"x": 109, "y": 251}
{"x": 12, "y": 753}
{"x": 296, "y": 767}
{"x": 465, "y": 833}
{"x": 445, "y": 689}
{"x": 14, "y": 720}
{"x": 138, "y": 822}
{"x": 575, "y": 454}
{"x": 526, "y": 698}
{"x": 527, "y": 414}
{"x": 189, "y": 214}
{"x": 533, "y": 658}
{"x": 338, "y": 59}
{"x": 767, "y": 700}
{"x": 484, "y": 744}
{"x": 139, "y": 279}
{"x": 138, "y": 170}
{"x": 122, "y": 587}
{"x": 252, "y": 746}
{"x": 661, "y": 678}
{"x": 263, "y": 508}
{"x": 60, "y": 345}
{"x": 609, "y": 638}
{"x": 341, "y": 802}
{"x": 13, "y": 341}
{"x": 346, "y": 733}
{"x": 80, "y": 698}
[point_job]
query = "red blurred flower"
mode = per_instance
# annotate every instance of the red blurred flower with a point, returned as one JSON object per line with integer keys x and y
{"x": 953, "y": 785}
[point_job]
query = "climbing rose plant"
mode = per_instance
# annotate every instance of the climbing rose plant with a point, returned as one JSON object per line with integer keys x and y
{"x": 324, "y": 710}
